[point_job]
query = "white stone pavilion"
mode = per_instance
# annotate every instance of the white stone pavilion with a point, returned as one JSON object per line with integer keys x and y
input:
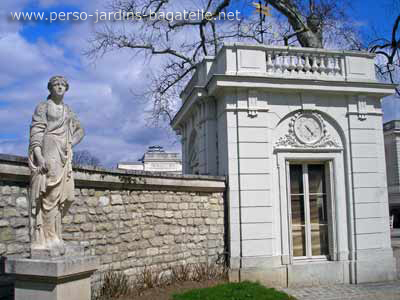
{"x": 298, "y": 133}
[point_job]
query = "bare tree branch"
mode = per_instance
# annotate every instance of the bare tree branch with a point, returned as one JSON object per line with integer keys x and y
{"x": 85, "y": 158}
{"x": 389, "y": 51}
{"x": 184, "y": 42}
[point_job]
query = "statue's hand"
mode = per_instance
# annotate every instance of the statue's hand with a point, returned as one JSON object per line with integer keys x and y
{"x": 42, "y": 165}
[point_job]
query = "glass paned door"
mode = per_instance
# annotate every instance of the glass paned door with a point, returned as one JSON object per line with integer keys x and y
{"x": 309, "y": 219}
{"x": 298, "y": 216}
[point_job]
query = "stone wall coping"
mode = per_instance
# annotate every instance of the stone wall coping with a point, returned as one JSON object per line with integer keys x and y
{"x": 57, "y": 268}
{"x": 15, "y": 168}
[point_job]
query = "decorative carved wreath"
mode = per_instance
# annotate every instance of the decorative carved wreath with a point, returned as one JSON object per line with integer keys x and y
{"x": 297, "y": 138}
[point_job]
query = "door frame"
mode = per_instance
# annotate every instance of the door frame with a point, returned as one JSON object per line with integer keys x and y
{"x": 338, "y": 242}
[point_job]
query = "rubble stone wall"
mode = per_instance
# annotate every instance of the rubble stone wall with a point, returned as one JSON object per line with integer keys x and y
{"x": 131, "y": 220}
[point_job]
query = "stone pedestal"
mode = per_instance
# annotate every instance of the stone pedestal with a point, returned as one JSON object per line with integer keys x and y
{"x": 58, "y": 252}
{"x": 58, "y": 278}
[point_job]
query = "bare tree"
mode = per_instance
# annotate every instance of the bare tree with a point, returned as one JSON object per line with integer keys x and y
{"x": 85, "y": 158}
{"x": 183, "y": 43}
{"x": 388, "y": 51}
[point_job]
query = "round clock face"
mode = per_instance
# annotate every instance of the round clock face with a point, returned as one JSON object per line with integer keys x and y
{"x": 308, "y": 129}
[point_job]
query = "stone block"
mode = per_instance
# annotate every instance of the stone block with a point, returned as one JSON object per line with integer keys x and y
{"x": 183, "y": 206}
{"x": 169, "y": 239}
{"x": 370, "y": 210}
{"x": 161, "y": 205}
{"x": 6, "y": 234}
{"x": 258, "y": 247}
{"x": 367, "y": 180}
{"x": 370, "y": 241}
{"x": 104, "y": 201}
{"x": 79, "y": 219}
{"x": 71, "y": 228}
{"x": 370, "y": 225}
{"x": 374, "y": 270}
{"x": 15, "y": 248}
{"x": 359, "y": 136}
{"x": 157, "y": 241}
{"x": 271, "y": 277}
{"x": 3, "y": 249}
{"x": 148, "y": 234}
{"x": 253, "y": 150}
{"x": 6, "y": 190}
{"x": 255, "y": 181}
{"x": 177, "y": 214}
{"x": 257, "y": 214}
{"x": 254, "y": 165}
{"x": 317, "y": 273}
{"x": 369, "y": 195}
{"x": 10, "y": 212}
{"x": 92, "y": 201}
{"x": 253, "y": 134}
{"x": 159, "y": 213}
{"x": 4, "y": 223}
{"x": 173, "y": 206}
{"x": 22, "y": 235}
{"x": 52, "y": 279}
{"x": 169, "y": 214}
{"x": 57, "y": 252}
{"x": 67, "y": 219}
{"x": 116, "y": 199}
{"x": 87, "y": 227}
{"x": 22, "y": 202}
{"x": 364, "y": 150}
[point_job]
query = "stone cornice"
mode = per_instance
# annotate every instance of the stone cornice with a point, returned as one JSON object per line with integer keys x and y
{"x": 295, "y": 84}
{"x": 15, "y": 168}
{"x": 218, "y": 82}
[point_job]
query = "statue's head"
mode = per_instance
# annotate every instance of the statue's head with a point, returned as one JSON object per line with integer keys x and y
{"x": 56, "y": 80}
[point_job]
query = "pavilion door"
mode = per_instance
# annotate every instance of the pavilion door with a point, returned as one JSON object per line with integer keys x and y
{"x": 309, "y": 209}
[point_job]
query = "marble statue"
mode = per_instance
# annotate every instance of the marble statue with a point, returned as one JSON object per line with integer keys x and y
{"x": 55, "y": 129}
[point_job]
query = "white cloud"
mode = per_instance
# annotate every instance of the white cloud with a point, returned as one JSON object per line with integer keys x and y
{"x": 20, "y": 59}
{"x": 7, "y": 7}
{"x": 100, "y": 94}
{"x": 14, "y": 147}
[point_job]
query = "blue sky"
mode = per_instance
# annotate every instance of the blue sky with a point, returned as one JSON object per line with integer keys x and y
{"x": 101, "y": 90}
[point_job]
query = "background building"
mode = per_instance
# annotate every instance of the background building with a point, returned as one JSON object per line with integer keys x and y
{"x": 392, "y": 153}
{"x": 155, "y": 159}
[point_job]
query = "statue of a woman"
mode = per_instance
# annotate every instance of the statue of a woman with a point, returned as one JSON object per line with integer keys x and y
{"x": 54, "y": 131}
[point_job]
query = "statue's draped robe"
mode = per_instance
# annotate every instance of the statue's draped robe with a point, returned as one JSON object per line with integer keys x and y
{"x": 52, "y": 192}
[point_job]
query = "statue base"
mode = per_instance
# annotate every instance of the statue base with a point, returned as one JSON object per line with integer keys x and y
{"x": 49, "y": 276}
{"x": 57, "y": 252}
